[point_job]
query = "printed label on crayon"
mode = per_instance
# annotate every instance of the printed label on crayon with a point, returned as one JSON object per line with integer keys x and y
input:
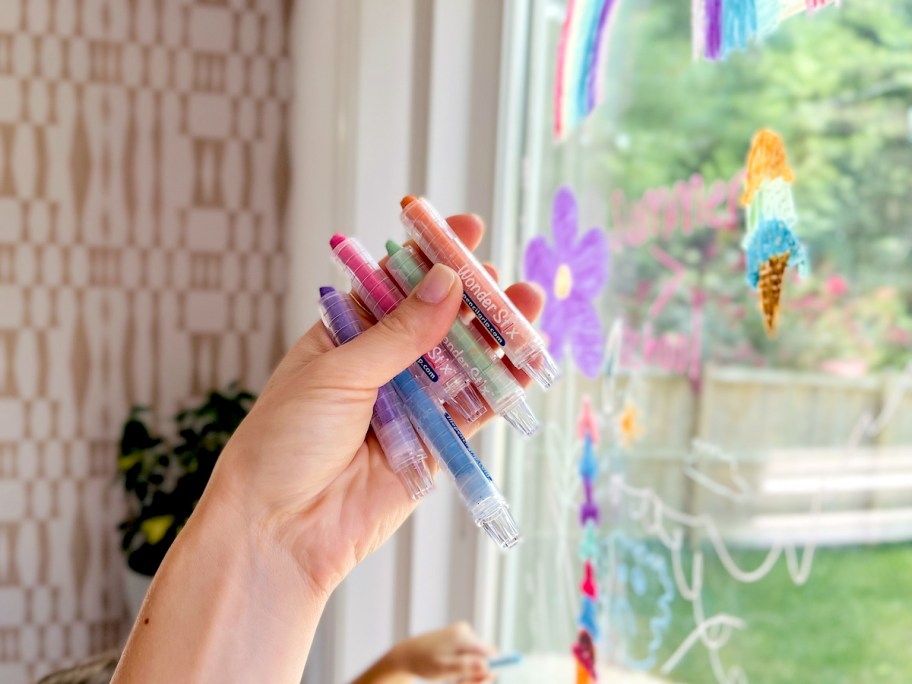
{"x": 485, "y": 321}
{"x": 440, "y": 360}
{"x": 427, "y": 368}
{"x": 485, "y": 307}
{"x": 459, "y": 354}
{"x": 466, "y": 444}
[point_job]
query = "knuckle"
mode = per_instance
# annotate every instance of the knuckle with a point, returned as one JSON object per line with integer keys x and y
{"x": 462, "y": 628}
{"x": 396, "y": 324}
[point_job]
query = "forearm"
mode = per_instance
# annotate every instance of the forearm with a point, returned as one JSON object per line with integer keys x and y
{"x": 226, "y": 605}
{"x": 385, "y": 671}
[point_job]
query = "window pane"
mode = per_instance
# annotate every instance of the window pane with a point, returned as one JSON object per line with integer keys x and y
{"x": 759, "y": 524}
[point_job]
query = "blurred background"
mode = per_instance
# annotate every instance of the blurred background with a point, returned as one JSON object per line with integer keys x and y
{"x": 170, "y": 173}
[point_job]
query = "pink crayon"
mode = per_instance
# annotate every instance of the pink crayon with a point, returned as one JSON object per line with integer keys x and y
{"x": 381, "y": 296}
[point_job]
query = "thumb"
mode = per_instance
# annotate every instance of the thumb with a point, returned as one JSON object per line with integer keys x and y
{"x": 415, "y": 327}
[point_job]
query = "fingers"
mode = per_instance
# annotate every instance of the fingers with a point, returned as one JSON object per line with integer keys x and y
{"x": 469, "y": 228}
{"x": 466, "y": 640}
{"x": 417, "y": 325}
{"x": 529, "y": 298}
{"x": 465, "y": 666}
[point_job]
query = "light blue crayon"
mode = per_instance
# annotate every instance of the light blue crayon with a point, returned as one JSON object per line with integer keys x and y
{"x": 487, "y": 505}
{"x": 505, "y": 660}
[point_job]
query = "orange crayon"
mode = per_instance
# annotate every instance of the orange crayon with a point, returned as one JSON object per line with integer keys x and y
{"x": 500, "y": 318}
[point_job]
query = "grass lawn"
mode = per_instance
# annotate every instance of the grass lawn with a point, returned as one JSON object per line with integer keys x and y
{"x": 851, "y": 622}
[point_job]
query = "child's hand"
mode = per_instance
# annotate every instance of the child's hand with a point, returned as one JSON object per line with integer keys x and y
{"x": 455, "y": 653}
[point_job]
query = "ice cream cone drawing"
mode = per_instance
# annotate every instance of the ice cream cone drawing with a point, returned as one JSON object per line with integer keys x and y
{"x": 766, "y": 161}
{"x": 770, "y": 289}
{"x": 770, "y": 240}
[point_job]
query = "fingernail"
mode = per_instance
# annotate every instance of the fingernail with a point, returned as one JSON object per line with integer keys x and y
{"x": 436, "y": 285}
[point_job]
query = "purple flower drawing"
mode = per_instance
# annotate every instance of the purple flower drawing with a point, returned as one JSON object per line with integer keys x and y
{"x": 572, "y": 273}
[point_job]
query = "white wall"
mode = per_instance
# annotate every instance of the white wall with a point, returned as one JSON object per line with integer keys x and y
{"x": 392, "y": 97}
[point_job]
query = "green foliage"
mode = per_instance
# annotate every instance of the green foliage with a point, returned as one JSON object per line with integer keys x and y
{"x": 165, "y": 481}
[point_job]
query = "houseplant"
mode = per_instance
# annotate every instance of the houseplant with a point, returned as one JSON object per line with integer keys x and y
{"x": 164, "y": 480}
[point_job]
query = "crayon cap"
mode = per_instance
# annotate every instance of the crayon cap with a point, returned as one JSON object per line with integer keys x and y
{"x": 541, "y": 368}
{"x": 502, "y": 528}
{"x": 416, "y": 478}
{"x": 522, "y": 418}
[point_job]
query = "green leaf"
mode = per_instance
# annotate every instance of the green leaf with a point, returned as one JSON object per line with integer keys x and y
{"x": 155, "y": 528}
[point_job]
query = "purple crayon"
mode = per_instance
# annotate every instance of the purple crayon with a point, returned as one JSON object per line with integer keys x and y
{"x": 389, "y": 421}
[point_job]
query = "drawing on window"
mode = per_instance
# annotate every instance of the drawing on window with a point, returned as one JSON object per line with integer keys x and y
{"x": 572, "y": 274}
{"x": 769, "y": 475}
{"x": 720, "y": 28}
{"x": 580, "y": 62}
{"x": 770, "y": 240}
{"x": 590, "y": 515}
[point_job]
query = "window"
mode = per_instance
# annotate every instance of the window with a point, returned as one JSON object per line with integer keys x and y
{"x": 758, "y": 526}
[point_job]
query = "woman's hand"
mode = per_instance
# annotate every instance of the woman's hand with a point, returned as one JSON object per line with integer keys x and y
{"x": 454, "y": 653}
{"x": 300, "y": 495}
{"x": 303, "y": 467}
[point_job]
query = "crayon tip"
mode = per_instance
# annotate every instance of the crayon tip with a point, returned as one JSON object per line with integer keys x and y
{"x": 336, "y": 239}
{"x": 326, "y": 290}
{"x": 407, "y": 200}
{"x": 392, "y": 247}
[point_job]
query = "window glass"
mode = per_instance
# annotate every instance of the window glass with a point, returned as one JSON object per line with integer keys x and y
{"x": 756, "y": 524}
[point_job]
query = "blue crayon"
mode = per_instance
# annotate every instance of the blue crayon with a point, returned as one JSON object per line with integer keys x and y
{"x": 487, "y": 505}
{"x": 505, "y": 660}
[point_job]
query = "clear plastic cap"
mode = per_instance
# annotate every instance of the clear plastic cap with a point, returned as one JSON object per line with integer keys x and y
{"x": 521, "y": 417}
{"x": 467, "y": 402}
{"x": 541, "y": 368}
{"x": 502, "y": 528}
{"x": 416, "y": 477}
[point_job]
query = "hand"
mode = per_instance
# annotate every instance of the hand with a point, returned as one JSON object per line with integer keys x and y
{"x": 302, "y": 466}
{"x": 301, "y": 494}
{"x": 455, "y": 652}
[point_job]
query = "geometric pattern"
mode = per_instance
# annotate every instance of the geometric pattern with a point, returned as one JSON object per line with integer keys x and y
{"x": 144, "y": 179}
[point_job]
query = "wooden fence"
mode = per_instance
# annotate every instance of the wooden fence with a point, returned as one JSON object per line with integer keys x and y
{"x": 778, "y": 455}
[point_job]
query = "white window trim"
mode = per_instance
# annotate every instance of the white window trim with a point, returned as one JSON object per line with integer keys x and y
{"x": 382, "y": 109}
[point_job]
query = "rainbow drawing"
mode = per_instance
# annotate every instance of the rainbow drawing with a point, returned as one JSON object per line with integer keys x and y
{"x": 720, "y": 27}
{"x": 581, "y": 56}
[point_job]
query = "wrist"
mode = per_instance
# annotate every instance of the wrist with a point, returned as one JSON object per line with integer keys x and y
{"x": 228, "y": 516}
{"x": 395, "y": 663}
{"x": 226, "y": 604}
{"x": 273, "y": 534}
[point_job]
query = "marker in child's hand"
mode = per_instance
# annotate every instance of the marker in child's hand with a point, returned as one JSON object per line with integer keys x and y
{"x": 505, "y": 660}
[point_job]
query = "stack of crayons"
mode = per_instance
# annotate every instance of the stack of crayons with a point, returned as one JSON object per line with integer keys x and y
{"x": 461, "y": 371}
